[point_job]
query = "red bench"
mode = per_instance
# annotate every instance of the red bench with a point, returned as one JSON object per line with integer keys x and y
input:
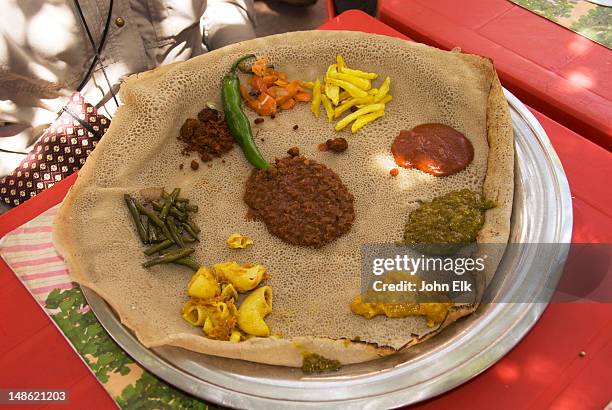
{"x": 554, "y": 70}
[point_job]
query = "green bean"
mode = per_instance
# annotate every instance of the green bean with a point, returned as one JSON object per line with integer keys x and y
{"x": 180, "y": 205}
{"x": 189, "y": 239}
{"x": 175, "y": 234}
{"x": 133, "y": 208}
{"x": 154, "y": 218}
{"x": 191, "y": 208}
{"x": 151, "y": 232}
{"x": 173, "y": 210}
{"x": 193, "y": 225}
{"x": 188, "y": 262}
{"x": 161, "y": 237}
{"x": 169, "y": 257}
{"x": 150, "y": 214}
{"x": 178, "y": 214}
{"x": 183, "y": 261}
{"x": 169, "y": 201}
{"x": 159, "y": 247}
{"x": 190, "y": 231}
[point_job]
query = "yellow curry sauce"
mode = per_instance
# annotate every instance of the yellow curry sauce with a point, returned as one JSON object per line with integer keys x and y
{"x": 394, "y": 305}
{"x": 434, "y": 313}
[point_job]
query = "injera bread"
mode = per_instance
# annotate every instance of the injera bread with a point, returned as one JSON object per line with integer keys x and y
{"x": 312, "y": 288}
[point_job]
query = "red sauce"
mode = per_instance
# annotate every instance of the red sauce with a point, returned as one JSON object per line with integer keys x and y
{"x": 433, "y": 148}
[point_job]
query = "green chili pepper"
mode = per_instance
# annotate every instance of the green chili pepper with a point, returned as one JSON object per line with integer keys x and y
{"x": 237, "y": 122}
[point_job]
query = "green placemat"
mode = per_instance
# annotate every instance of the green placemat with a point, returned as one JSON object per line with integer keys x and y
{"x": 585, "y": 18}
{"x": 129, "y": 385}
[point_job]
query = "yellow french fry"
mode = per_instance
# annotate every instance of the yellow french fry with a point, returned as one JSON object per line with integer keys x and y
{"x": 373, "y": 91}
{"x": 332, "y": 69}
{"x": 315, "y": 105}
{"x": 354, "y": 91}
{"x": 329, "y": 110}
{"x": 340, "y": 62}
{"x": 387, "y": 98}
{"x": 307, "y": 84}
{"x": 364, "y": 119}
{"x": 349, "y": 103}
{"x": 353, "y": 116}
{"x": 362, "y": 83}
{"x": 344, "y": 95}
{"x": 383, "y": 90}
{"x": 333, "y": 93}
{"x": 357, "y": 73}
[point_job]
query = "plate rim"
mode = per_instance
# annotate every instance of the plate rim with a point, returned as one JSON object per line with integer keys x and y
{"x": 219, "y": 394}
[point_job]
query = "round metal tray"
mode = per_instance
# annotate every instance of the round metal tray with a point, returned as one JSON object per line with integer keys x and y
{"x": 542, "y": 213}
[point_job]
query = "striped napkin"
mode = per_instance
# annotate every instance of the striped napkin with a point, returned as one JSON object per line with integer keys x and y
{"x": 30, "y": 253}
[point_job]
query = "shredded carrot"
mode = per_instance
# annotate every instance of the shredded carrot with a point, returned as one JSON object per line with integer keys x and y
{"x": 287, "y": 105}
{"x": 258, "y": 68}
{"x": 269, "y": 89}
{"x": 302, "y": 97}
{"x": 264, "y": 104}
{"x": 270, "y": 79}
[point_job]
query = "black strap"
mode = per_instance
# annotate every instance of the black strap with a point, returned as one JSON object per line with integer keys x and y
{"x": 84, "y": 123}
{"x": 8, "y": 151}
{"x": 97, "y": 49}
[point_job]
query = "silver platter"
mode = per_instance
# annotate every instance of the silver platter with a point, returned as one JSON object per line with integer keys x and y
{"x": 542, "y": 214}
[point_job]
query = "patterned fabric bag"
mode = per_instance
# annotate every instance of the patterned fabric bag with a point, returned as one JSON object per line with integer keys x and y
{"x": 61, "y": 150}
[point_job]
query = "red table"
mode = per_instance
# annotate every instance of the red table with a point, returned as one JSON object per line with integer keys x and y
{"x": 544, "y": 369}
{"x": 560, "y": 73}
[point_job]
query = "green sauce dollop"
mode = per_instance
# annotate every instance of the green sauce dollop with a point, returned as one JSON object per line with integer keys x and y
{"x": 453, "y": 218}
{"x": 315, "y": 363}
